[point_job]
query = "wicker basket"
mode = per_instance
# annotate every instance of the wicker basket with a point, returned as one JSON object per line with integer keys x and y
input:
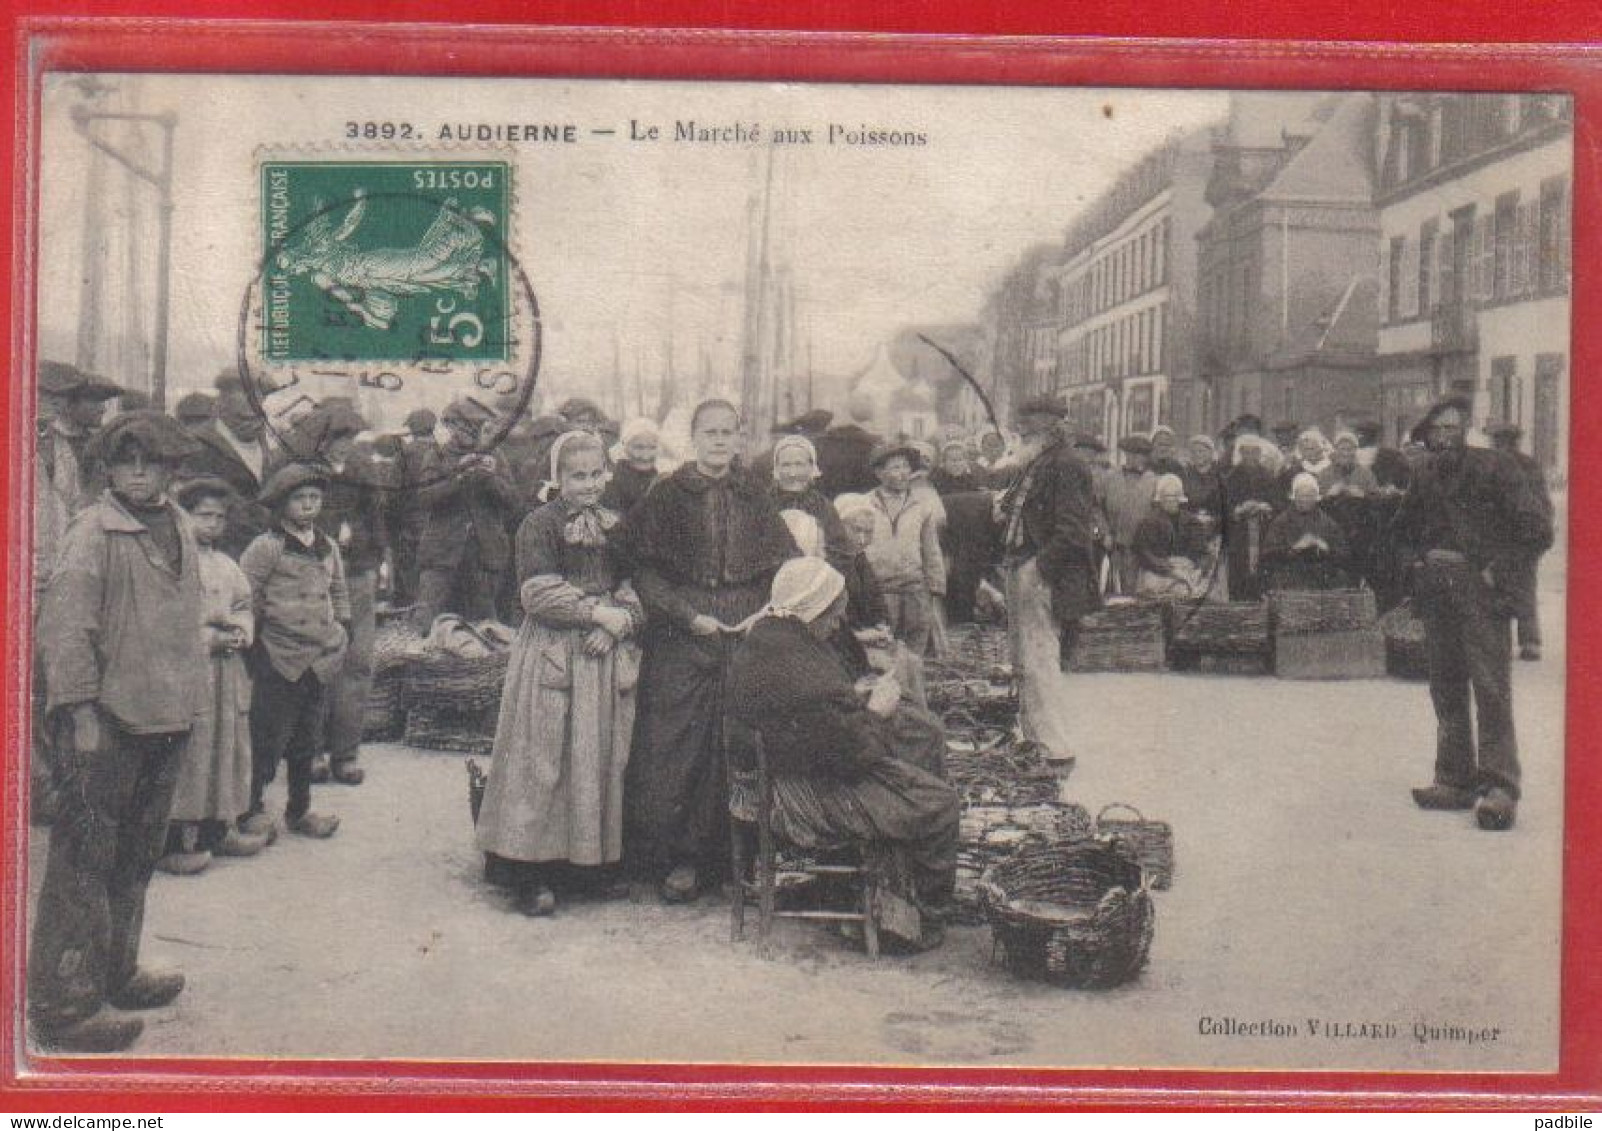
{"x": 384, "y": 715}
{"x": 1152, "y": 842}
{"x": 1120, "y": 638}
{"x": 394, "y": 644}
{"x": 1406, "y": 655}
{"x": 1075, "y": 914}
{"x": 477, "y": 780}
{"x": 990, "y": 834}
{"x": 464, "y": 684}
{"x": 1212, "y": 628}
{"x": 464, "y": 732}
{"x": 1306, "y": 612}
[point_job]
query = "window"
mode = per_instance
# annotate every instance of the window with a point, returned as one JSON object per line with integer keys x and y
{"x": 1428, "y": 293}
{"x": 1157, "y": 335}
{"x": 1393, "y": 306}
{"x": 1505, "y": 234}
{"x": 1552, "y": 240}
{"x": 1138, "y": 411}
{"x": 1162, "y": 252}
{"x": 1504, "y": 381}
{"x": 1482, "y": 271}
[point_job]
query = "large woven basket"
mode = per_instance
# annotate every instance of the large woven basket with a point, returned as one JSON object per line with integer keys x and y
{"x": 1076, "y": 914}
{"x": 1307, "y": 612}
{"x": 990, "y": 834}
{"x": 448, "y": 682}
{"x": 1152, "y": 842}
{"x": 393, "y": 645}
{"x": 1216, "y": 628}
{"x": 1120, "y": 638}
{"x": 384, "y": 714}
{"x": 1406, "y": 655}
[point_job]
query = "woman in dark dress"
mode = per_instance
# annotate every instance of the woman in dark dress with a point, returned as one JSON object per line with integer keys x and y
{"x": 1305, "y": 548}
{"x": 1250, "y": 498}
{"x": 704, "y": 543}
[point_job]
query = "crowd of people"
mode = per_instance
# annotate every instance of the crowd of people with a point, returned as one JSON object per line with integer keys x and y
{"x": 208, "y": 591}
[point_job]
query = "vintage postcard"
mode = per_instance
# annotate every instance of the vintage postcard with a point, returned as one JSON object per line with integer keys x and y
{"x": 542, "y": 570}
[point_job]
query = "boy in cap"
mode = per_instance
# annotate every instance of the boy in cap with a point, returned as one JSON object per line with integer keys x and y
{"x": 117, "y": 638}
{"x": 297, "y": 576}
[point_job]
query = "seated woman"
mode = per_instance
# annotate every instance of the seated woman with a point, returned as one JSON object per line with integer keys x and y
{"x": 843, "y": 770}
{"x": 1304, "y": 547}
{"x": 1165, "y": 547}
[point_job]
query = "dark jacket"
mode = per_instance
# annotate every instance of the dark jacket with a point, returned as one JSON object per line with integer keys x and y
{"x": 458, "y": 509}
{"x": 628, "y": 486}
{"x": 796, "y": 691}
{"x": 355, "y": 501}
{"x": 217, "y": 459}
{"x": 1479, "y": 503}
{"x": 1056, "y": 524}
{"x": 665, "y": 535}
{"x": 843, "y": 453}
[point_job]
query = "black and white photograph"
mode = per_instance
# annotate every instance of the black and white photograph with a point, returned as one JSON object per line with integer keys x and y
{"x": 541, "y": 570}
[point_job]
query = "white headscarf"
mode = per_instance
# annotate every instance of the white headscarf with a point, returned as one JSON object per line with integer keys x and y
{"x": 806, "y": 531}
{"x": 1308, "y": 479}
{"x": 850, "y": 503}
{"x": 797, "y": 442}
{"x": 803, "y": 590}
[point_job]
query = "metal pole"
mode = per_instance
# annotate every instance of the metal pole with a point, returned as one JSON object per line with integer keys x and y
{"x": 158, "y": 353}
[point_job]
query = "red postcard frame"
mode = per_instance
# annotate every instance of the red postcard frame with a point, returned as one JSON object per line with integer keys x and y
{"x": 221, "y": 45}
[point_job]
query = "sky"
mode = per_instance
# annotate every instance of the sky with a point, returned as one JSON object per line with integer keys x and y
{"x": 628, "y": 244}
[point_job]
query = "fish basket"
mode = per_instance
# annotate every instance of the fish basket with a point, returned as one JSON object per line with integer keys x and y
{"x": 1120, "y": 638}
{"x": 1076, "y": 914}
{"x": 1406, "y": 655}
{"x": 394, "y": 644}
{"x": 1151, "y": 842}
{"x": 384, "y": 713}
{"x": 1001, "y": 772}
{"x": 477, "y": 780}
{"x": 464, "y": 684}
{"x": 1299, "y": 612}
{"x": 989, "y": 834}
{"x": 977, "y": 649}
{"x": 1212, "y": 628}
{"x": 461, "y": 732}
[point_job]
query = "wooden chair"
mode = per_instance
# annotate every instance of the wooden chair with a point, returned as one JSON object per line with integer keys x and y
{"x": 751, "y": 807}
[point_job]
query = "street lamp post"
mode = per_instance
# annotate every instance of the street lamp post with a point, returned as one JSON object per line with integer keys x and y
{"x": 161, "y": 179}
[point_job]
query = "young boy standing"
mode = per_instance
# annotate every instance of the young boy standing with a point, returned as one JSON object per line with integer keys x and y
{"x": 302, "y": 616}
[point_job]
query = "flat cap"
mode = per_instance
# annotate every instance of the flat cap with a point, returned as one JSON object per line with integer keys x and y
{"x": 1135, "y": 443}
{"x": 1089, "y": 441}
{"x": 575, "y": 407}
{"x": 158, "y": 435}
{"x": 206, "y": 487}
{"x": 58, "y": 379}
{"x": 195, "y": 408}
{"x": 465, "y": 408}
{"x": 888, "y": 449}
{"x": 328, "y": 422}
{"x": 421, "y": 421}
{"x": 291, "y": 478}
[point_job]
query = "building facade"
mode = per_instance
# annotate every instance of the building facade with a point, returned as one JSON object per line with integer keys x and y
{"x": 1117, "y": 340}
{"x": 1475, "y": 198}
{"x": 1288, "y": 265}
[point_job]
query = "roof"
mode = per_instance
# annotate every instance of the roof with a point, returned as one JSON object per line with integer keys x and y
{"x": 1337, "y": 164}
{"x": 1345, "y": 334}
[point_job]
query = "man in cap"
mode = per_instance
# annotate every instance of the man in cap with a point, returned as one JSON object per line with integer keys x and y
{"x": 118, "y": 637}
{"x": 352, "y": 516}
{"x": 233, "y": 448}
{"x": 468, "y": 502}
{"x": 194, "y": 410}
{"x": 1526, "y": 612}
{"x": 1469, "y": 519}
{"x": 1126, "y": 501}
{"x": 1049, "y": 547}
{"x": 72, "y": 405}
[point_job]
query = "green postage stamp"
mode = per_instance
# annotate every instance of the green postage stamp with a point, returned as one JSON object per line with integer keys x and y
{"x": 385, "y": 261}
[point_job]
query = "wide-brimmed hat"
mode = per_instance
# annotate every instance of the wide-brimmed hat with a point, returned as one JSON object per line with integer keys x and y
{"x": 807, "y": 424}
{"x": 290, "y": 478}
{"x": 58, "y": 379}
{"x": 160, "y": 436}
{"x": 888, "y": 449}
{"x": 1043, "y": 406}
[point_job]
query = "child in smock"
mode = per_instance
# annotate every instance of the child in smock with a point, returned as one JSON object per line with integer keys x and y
{"x": 555, "y": 791}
